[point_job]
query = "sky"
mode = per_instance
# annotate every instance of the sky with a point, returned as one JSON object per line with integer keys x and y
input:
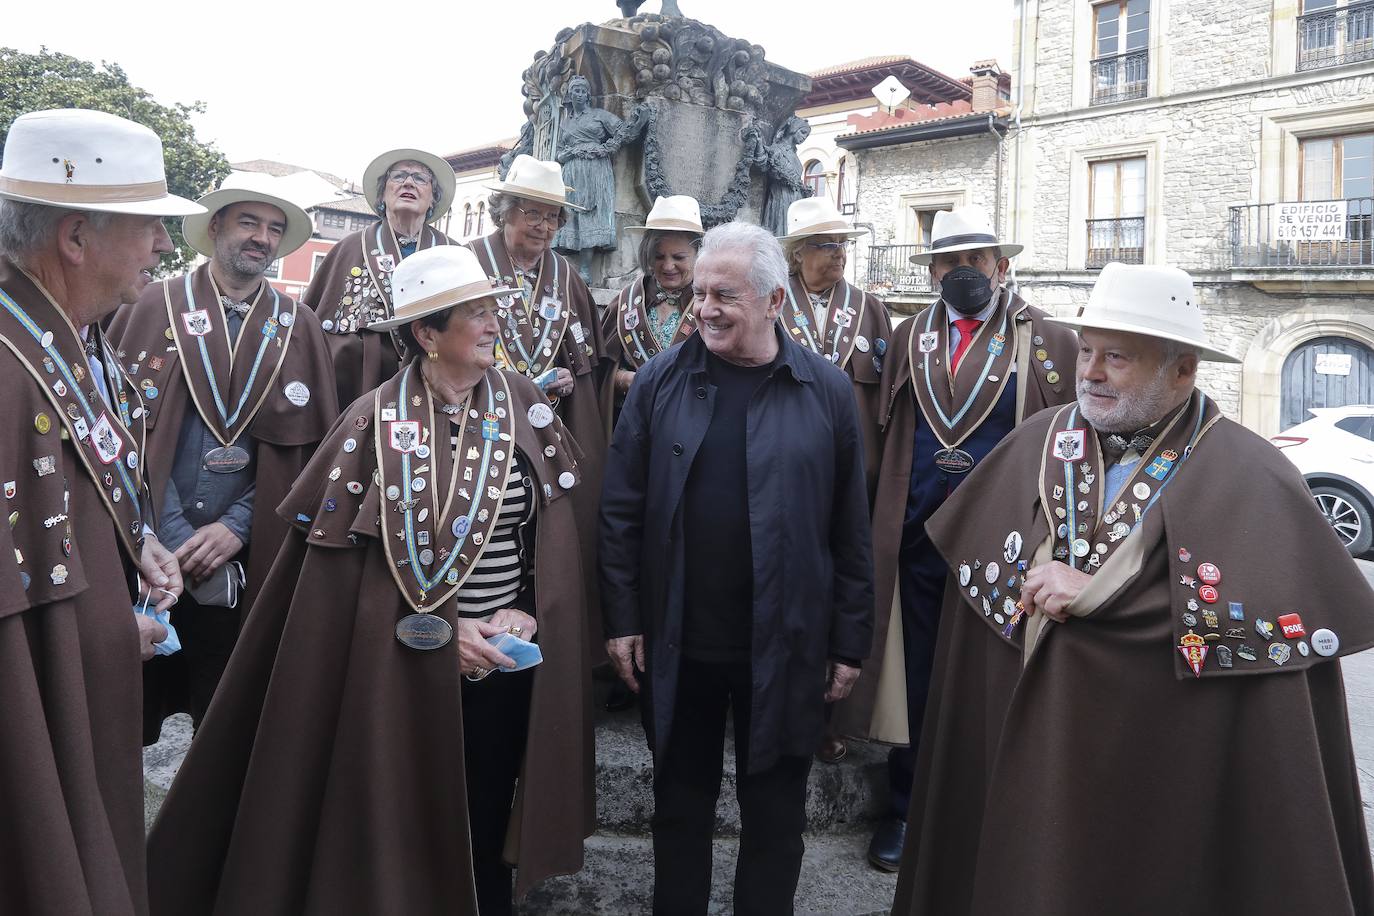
{"x": 330, "y": 85}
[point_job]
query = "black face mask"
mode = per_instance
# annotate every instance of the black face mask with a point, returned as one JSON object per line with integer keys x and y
{"x": 966, "y": 290}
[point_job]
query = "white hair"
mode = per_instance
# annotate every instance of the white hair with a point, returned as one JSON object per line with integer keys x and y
{"x": 28, "y": 227}
{"x": 767, "y": 266}
{"x": 1173, "y": 351}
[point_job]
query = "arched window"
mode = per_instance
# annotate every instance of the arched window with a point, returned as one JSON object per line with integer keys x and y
{"x": 813, "y": 174}
{"x": 481, "y": 217}
{"x": 467, "y": 220}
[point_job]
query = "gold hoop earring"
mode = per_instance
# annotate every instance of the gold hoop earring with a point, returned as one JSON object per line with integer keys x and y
{"x": 433, "y": 354}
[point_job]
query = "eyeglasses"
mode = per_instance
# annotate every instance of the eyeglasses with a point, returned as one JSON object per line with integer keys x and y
{"x": 399, "y": 176}
{"x": 533, "y": 218}
{"x": 831, "y": 246}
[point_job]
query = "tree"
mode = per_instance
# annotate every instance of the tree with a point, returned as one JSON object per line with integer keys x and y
{"x": 49, "y": 79}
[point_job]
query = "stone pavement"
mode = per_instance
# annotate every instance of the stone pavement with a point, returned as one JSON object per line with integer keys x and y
{"x": 842, "y": 801}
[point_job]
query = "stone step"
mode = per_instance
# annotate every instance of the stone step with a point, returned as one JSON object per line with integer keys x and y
{"x": 842, "y": 796}
{"x": 618, "y": 878}
{"x": 839, "y": 796}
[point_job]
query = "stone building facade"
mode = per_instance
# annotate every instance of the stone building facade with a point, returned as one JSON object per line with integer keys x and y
{"x": 1179, "y": 132}
{"x": 1176, "y": 132}
{"x": 920, "y": 158}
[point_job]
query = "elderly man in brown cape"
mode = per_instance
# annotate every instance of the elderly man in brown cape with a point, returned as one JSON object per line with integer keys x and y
{"x": 957, "y": 379}
{"x": 1137, "y": 707}
{"x": 82, "y": 194}
{"x": 362, "y": 756}
{"x": 239, "y": 389}
{"x": 351, "y": 292}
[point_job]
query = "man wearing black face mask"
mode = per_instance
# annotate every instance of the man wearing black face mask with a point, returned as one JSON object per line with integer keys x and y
{"x": 948, "y": 399}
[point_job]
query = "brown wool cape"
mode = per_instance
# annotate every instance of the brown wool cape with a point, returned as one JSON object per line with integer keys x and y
{"x": 630, "y": 343}
{"x": 1095, "y": 773}
{"x": 575, "y": 343}
{"x": 286, "y": 434}
{"x": 71, "y": 767}
{"x": 876, "y": 708}
{"x": 328, "y": 774}
{"x": 851, "y": 343}
{"x": 351, "y": 290}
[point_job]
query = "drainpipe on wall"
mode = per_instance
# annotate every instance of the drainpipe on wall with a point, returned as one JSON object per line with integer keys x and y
{"x": 1015, "y": 216}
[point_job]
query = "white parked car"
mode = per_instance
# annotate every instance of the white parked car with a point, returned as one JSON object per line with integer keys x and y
{"x": 1335, "y": 453}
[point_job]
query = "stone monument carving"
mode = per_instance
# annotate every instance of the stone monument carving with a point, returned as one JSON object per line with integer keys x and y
{"x": 587, "y": 139}
{"x": 629, "y": 7}
{"x": 780, "y": 162}
{"x": 684, "y": 109}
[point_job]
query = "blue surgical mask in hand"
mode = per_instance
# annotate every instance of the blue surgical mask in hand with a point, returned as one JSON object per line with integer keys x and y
{"x": 173, "y": 642}
{"x": 524, "y": 654}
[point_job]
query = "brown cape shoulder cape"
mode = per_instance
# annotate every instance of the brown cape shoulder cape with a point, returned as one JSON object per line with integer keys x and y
{"x": 286, "y": 435}
{"x": 71, "y": 768}
{"x": 328, "y": 775}
{"x": 582, "y": 352}
{"x": 876, "y": 707}
{"x": 859, "y": 348}
{"x": 1145, "y": 790}
{"x": 350, "y": 289}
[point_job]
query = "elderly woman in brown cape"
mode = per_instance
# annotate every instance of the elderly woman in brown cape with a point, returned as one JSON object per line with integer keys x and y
{"x": 351, "y": 291}
{"x": 828, "y": 315}
{"x": 654, "y": 310}
{"x": 548, "y": 324}
{"x": 435, "y": 516}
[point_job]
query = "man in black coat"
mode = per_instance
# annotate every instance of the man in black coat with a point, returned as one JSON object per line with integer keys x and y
{"x": 736, "y": 570}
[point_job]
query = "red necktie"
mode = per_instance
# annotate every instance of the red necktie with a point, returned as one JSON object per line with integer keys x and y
{"x": 967, "y": 328}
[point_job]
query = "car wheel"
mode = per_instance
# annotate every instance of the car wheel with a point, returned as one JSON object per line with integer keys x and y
{"x": 1348, "y": 517}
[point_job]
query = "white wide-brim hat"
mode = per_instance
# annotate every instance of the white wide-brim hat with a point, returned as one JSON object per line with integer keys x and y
{"x": 434, "y": 280}
{"x": 678, "y": 213}
{"x": 816, "y": 216}
{"x": 88, "y": 160}
{"x": 536, "y": 179}
{"x": 443, "y": 174}
{"x": 239, "y": 187}
{"x": 962, "y": 229}
{"x": 1154, "y": 301}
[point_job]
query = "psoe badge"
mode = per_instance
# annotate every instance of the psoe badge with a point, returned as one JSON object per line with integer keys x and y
{"x": 405, "y": 435}
{"x": 1292, "y": 627}
{"x": 929, "y": 341}
{"x": 1070, "y": 444}
{"x": 197, "y": 323}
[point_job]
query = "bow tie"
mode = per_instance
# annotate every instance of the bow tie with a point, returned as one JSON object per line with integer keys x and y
{"x": 231, "y": 305}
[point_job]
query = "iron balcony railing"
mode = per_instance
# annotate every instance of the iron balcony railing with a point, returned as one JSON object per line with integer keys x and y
{"x": 1120, "y": 77}
{"x": 1281, "y": 235}
{"x": 1332, "y": 37}
{"x": 1116, "y": 240}
{"x": 890, "y": 271}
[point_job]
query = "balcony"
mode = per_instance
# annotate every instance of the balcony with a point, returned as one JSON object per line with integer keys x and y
{"x": 1120, "y": 77}
{"x": 891, "y": 273}
{"x": 1333, "y": 37}
{"x": 1120, "y": 240}
{"x": 1308, "y": 246}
